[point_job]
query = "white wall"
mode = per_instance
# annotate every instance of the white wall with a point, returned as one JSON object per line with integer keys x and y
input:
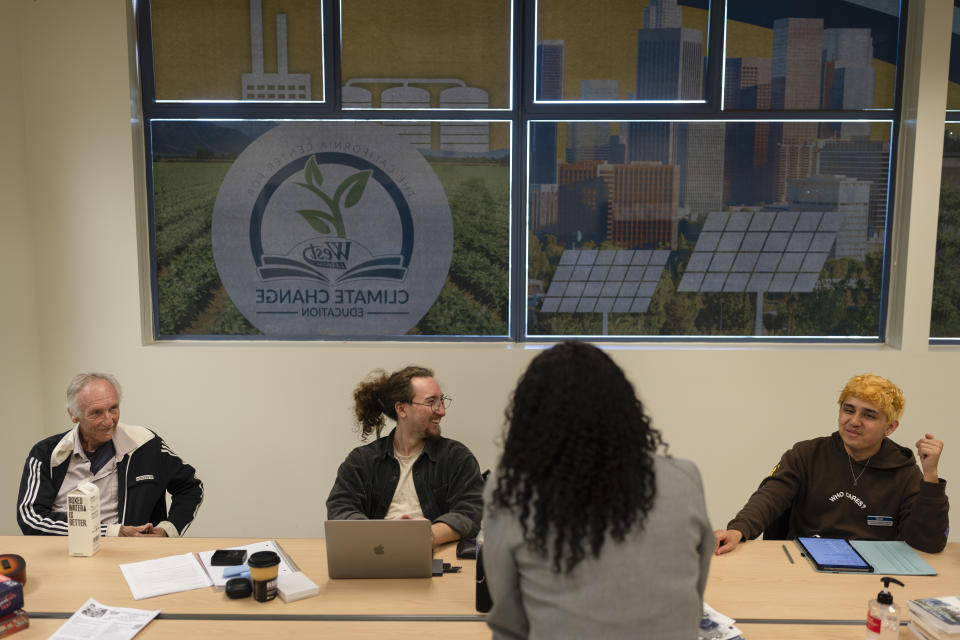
{"x": 267, "y": 424}
{"x": 20, "y": 400}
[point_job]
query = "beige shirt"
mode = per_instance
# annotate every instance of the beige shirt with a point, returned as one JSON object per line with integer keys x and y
{"x": 78, "y": 472}
{"x": 405, "y": 501}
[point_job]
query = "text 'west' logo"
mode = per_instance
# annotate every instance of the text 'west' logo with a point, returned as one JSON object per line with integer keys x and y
{"x": 332, "y": 229}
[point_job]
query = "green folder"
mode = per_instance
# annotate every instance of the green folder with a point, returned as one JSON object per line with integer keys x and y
{"x": 893, "y": 558}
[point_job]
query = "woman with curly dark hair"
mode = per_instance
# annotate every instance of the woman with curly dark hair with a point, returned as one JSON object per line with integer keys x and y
{"x": 588, "y": 532}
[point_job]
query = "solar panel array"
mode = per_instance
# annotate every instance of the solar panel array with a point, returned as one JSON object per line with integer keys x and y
{"x": 761, "y": 251}
{"x": 602, "y": 281}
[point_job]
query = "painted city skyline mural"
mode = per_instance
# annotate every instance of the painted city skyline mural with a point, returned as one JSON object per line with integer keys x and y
{"x": 617, "y": 187}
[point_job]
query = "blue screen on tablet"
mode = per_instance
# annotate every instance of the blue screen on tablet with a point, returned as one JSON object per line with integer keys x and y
{"x": 833, "y": 553}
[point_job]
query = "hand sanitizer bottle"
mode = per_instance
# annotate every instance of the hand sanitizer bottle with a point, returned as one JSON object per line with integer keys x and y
{"x": 883, "y": 616}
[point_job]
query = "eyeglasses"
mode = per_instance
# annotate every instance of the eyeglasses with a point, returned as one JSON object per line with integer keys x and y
{"x": 434, "y": 405}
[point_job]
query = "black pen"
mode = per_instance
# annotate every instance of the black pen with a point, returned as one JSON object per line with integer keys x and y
{"x": 787, "y": 551}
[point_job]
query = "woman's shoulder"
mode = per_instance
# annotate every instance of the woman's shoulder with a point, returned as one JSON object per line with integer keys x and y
{"x": 676, "y": 469}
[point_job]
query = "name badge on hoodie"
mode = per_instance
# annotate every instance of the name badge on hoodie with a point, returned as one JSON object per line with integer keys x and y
{"x": 149, "y": 476}
{"x": 880, "y": 521}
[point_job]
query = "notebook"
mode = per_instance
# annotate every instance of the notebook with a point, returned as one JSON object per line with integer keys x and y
{"x": 379, "y": 548}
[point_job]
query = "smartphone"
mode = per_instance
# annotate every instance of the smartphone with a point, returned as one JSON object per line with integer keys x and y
{"x": 833, "y": 554}
{"x": 228, "y": 557}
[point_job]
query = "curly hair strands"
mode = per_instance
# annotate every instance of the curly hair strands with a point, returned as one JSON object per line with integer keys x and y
{"x": 878, "y": 391}
{"x": 377, "y": 396}
{"x": 578, "y": 454}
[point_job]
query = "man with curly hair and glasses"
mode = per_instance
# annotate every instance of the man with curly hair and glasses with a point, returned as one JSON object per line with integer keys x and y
{"x": 856, "y": 483}
{"x": 412, "y": 472}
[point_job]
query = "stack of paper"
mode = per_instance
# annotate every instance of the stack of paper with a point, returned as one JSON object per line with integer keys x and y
{"x": 716, "y": 626}
{"x": 164, "y": 575}
{"x": 935, "y": 618}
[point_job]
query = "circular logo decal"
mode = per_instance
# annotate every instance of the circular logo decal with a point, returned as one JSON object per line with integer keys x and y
{"x": 332, "y": 229}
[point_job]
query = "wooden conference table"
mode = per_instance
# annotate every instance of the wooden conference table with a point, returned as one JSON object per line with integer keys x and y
{"x": 756, "y": 584}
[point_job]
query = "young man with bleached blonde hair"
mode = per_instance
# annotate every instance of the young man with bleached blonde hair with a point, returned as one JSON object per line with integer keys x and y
{"x": 856, "y": 483}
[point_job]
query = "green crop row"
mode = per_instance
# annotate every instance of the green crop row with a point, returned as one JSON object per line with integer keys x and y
{"x": 186, "y": 286}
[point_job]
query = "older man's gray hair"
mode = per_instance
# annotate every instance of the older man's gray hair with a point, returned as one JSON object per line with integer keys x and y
{"x": 83, "y": 379}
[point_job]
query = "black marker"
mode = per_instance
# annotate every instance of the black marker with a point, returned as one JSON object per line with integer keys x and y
{"x": 787, "y": 551}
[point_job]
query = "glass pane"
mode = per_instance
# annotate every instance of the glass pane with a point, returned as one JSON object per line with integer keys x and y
{"x": 945, "y": 315}
{"x": 682, "y": 228}
{"x": 797, "y": 54}
{"x": 621, "y": 50}
{"x": 238, "y": 49}
{"x": 420, "y": 54}
{"x": 315, "y": 229}
{"x": 953, "y": 86}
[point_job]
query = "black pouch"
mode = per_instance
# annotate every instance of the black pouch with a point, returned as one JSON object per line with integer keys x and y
{"x": 484, "y": 602}
{"x": 467, "y": 548}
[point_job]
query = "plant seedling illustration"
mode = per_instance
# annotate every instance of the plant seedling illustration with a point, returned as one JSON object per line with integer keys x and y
{"x": 350, "y": 191}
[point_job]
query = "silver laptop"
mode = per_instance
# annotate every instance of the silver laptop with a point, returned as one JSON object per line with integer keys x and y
{"x": 379, "y": 548}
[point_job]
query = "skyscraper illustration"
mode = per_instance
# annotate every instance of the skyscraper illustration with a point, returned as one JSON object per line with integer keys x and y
{"x": 549, "y": 70}
{"x": 848, "y": 75}
{"x": 669, "y": 67}
{"x": 589, "y": 140}
{"x": 797, "y": 45}
{"x": 835, "y": 196}
{"x": 581, "y": 203}
{"x": 866, "y": 160}
{"x": 669, "y": 56}
{"x": 746, "y": 152}
{"x": 795, "y": 84}
{"x": 702, "y": 174}
{"x": 543, "y": 136}
{"x": 643, "y": 202}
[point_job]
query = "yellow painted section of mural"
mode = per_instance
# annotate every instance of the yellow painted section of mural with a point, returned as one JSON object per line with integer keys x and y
{"x": 953, "y": 95}
{"x": 452, "y": 39}
{"x": 469, "y": 41}
{"x": 202, "y": 49}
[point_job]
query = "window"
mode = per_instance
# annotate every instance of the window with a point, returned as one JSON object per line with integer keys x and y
{"x": 766, "y": 215}
{"x": 670, "y": 168}
{"x": 945, "y": 313}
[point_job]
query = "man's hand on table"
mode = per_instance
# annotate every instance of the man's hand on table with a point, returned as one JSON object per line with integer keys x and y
{"x": 143, "y": 530}
{"x": 727, "y": 540}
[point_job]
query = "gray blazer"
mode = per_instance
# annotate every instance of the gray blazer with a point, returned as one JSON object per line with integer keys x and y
{"x": 649, "y": 586}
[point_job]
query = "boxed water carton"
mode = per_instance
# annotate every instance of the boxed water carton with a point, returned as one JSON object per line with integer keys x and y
{"x": 83, "y": 519}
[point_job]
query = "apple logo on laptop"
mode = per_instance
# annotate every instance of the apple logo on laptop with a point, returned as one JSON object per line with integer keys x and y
{"x": 378, "y": 549}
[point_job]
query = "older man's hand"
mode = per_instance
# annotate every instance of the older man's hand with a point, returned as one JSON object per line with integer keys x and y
{"x": 142, "y": 530}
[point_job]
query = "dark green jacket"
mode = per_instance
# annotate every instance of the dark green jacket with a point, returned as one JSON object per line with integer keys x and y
{"x": 446, "y": 477}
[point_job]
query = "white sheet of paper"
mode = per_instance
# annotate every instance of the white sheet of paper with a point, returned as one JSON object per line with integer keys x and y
{"x": 95, "y": 620}
{"x": 170, "y": 574}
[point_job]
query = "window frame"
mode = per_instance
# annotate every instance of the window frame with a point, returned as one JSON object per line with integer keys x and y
{"x": 523, "y": 110}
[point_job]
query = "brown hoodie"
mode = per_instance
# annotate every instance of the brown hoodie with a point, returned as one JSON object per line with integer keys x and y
{"x": 890, "y": 500}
